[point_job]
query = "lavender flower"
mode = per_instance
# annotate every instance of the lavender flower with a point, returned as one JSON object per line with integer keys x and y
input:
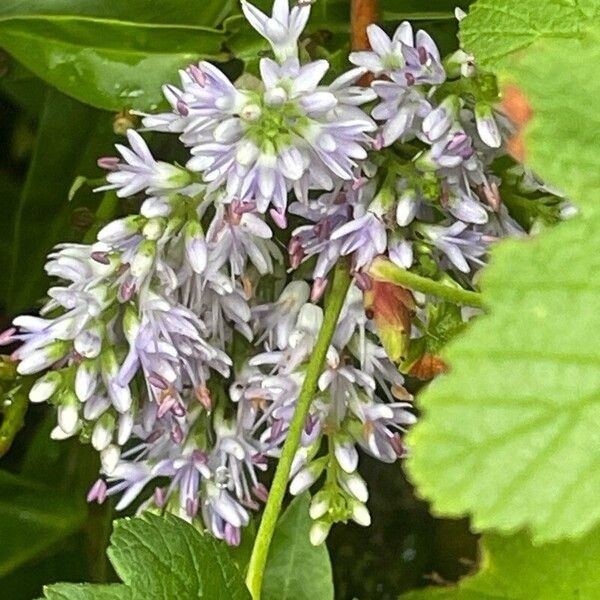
{"x": 141, "y": 171}
{"x": 177, "y": 343}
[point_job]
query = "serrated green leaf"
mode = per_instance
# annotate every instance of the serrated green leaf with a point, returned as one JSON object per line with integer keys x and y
{"x": 109, "y": 53}
{"x": 561, "y": 141}
{"x": 511, "y": 435}
{"x": 297, "y": 570}
{"x": 162, "y": 557}
{"x": 511, "y": 567}
{"x": 33, "y": 519}
{"x": 495, "y": 30}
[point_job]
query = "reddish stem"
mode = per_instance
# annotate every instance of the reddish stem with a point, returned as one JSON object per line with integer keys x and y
{"x": 363, "y": 13}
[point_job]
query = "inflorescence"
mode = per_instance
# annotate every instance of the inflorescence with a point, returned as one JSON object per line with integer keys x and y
{"x": 177, "y": 343}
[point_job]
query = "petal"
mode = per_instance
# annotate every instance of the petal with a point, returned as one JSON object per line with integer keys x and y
{"x": 379, "y": 40}
{"x": 368, "y": 60}
{"x": 309, "y": 77}
{"x": 255, "y": 17}
{"x": 404, "y": 34}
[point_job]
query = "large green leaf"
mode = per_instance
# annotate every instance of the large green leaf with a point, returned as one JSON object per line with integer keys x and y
{"x": 494, "y": 29}
{"x": 110, "y": 53}
{"x": 512, "y": 435}
{"x": 33, "y": 519}
{"x": 513, "y": 568}
{"x": 70, "y": 136}
{"x": 297, "y": 570}
{"x": 162, "y": 557}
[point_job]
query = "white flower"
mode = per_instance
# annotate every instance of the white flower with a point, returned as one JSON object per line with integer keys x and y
{"x": 141, "y": 172}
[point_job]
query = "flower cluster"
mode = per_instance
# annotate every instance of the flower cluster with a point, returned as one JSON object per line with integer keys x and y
{"x": 177, "y": 344}
{"x": 428, "y": 194}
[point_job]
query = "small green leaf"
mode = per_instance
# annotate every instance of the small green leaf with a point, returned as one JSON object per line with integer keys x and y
{"x": 33, "y": 519}
{"x": 162, "y": 557}
{"x": 494, "y": 30}
{"x": 297, "y": 570}
{"x": 511, "y": 567}
{"x": 109, "y": 53}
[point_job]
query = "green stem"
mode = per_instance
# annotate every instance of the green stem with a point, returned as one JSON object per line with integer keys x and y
{"x": 384, "y": 270}
{"x": 260, "y": 551}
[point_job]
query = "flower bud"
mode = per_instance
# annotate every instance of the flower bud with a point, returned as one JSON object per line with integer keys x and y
{"x": 154, "y": 229}
{"x": 385, "y": 197}
{"x": 251, "y": 112}
{"x": 121, "y": 229}
{"x": 354, "y": 485}
{"x": 345, "y": 453}
{"x": 143, "y": 259}
{"x": 103, "y": 430}
{"x": 275, "y": 96}
{"x": 228, "y": 131}
{"x": 58, "y": 434}
{"x": 88, "y": 342}
{"x": 120, "y": 395}
{"x": 439, "y": 120}
{"x": 131, "y": 324}
{"x": 309, "y": 321}
{"x": 195, "y": 246}
{"x": 125, "y": 428}
{"x": 95, "y": 406}
{"x": 406, "y": 209}
{"x": 487, "y": 128}
{"x": 86, "y": 379}
{"x": 360, "y": 514}
{"x": 319, "y": 505}
{"x": 247, "y": 152}
{"x": 109, "y": 458}
{"x": 307, "y": 476}
{"x": 68, "y": 415}
{"x": 155, "y": 207}
{"x": 44, "y": 387}
{"x": 319, "y": 532}
{"x": 42, "y": 358}
{"x": 401, "y": 254}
